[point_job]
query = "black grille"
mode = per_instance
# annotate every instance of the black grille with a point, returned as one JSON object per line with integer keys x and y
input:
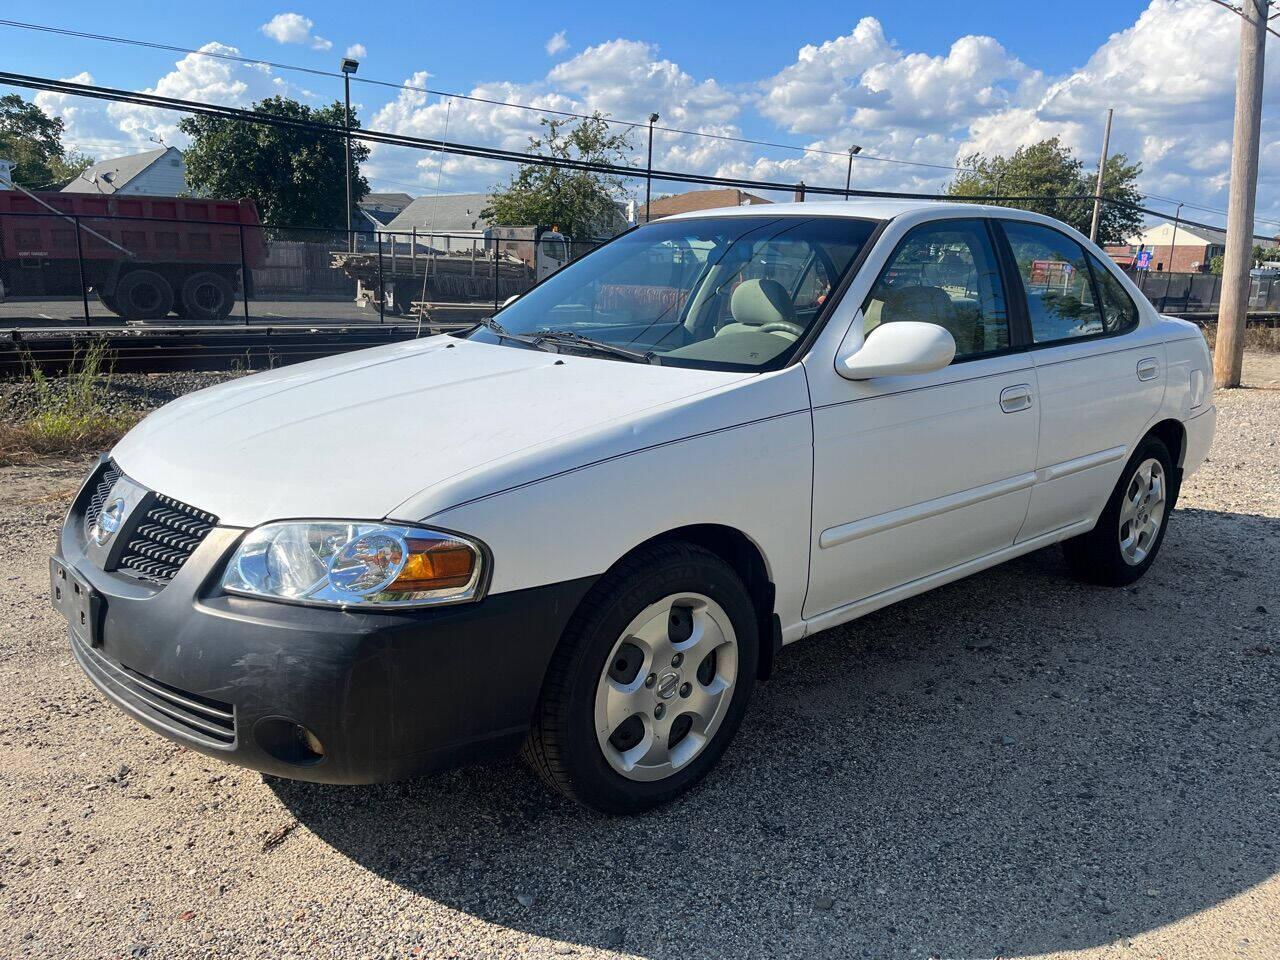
{"x": 110, "y": 474}
{"x": 198, "y": 718}
{"x": 162, "y": 538}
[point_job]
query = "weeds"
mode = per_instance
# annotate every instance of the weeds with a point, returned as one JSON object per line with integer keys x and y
{"x": 71, "y": 416}
{"x": 1256, "y": 337}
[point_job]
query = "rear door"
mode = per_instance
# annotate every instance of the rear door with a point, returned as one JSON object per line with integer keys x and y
{"x": 1101, "y": 373}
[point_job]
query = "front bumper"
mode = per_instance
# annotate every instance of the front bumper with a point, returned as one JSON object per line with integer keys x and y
{"x": 388, "y": 695}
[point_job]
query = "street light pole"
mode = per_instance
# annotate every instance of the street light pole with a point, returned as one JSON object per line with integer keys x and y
{"x": 349, "y": 66}
{"x": 648, "y": 174}
{"x": 848, "y": 175}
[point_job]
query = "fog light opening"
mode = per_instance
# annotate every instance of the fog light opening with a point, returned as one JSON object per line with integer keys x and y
{"x": 288, "y": 741}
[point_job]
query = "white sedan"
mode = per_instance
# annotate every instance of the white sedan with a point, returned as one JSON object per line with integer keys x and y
{"x": 588, "y": 526}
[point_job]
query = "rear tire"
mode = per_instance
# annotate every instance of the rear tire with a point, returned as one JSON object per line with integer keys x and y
{"x": 1124, "y": 542}
{"x": 207, "y": 296}
{"x": 143, "y": 295}
{"x": 649, "y": 683}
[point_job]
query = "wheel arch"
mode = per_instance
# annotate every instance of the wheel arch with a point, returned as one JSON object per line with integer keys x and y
{"x": 748, "y": 561}
{"x": 1174, "y": 436}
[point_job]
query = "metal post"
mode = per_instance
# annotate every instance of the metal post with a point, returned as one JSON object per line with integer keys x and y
{"x": 84, "y": 290}
{"x": 648, "y": 173}
{"x": 1228, "y": 353}
{"x": 497, "y": 243}
{"x": 244, "y": 278}
{"x": 346, "y": 152}
{"x": 1102, "y": 167}
{"x": 382, "y": 289}
{"x": 1173, "y": 240}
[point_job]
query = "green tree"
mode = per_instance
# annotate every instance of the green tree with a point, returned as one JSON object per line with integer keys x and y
{"x": 33, "y": 141}
{"x": 580, "y": 203}
{"x": 295, "y": 176}
{"x": 1215, "y": 264}
{"x": 1048, "y": 169}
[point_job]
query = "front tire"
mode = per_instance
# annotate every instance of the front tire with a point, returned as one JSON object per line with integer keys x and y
{"x": 649, "y": 683}
{"x": 1124, "y": 542}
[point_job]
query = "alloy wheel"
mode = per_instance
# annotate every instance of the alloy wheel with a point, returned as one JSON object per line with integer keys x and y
{"x": 1142, "y": 511}
{"x": 666, "y": 686}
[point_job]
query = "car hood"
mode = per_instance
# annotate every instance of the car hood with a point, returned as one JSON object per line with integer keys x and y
{"x": 415, "y": 426}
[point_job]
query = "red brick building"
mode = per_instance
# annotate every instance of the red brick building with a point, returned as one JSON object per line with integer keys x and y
{"x": 1186, "y": 250}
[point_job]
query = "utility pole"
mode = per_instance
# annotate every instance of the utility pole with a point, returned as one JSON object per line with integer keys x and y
{"x": 1228, "y": 354}
{"x": 349, "y": 66}
{"x": 848, "y": 177}
{"x": 648, "y": 172}
{"x": 1102, "y": 167}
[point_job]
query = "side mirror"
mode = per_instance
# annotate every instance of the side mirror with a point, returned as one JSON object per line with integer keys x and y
{"x": 904, "y": 346}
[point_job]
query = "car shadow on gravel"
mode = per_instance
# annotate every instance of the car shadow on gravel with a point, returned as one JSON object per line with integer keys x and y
{"x": 1015, "y": 763}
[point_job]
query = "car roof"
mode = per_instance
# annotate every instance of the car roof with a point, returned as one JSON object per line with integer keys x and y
{"x": 873, "y": 208}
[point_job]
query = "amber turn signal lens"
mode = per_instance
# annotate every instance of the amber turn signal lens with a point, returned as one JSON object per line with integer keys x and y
{"x": 435, "y": 565}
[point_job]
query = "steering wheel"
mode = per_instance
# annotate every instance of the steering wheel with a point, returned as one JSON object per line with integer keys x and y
{"x": 783, "y": 326}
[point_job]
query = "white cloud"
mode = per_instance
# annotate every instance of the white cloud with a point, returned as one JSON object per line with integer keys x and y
{"x": 294, "y": 28}
{"x": 357, "y": 51}
{"x": 557, "y": 43}
{"x": 1169, "y": 76}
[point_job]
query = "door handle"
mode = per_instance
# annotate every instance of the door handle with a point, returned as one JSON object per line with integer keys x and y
{"x": 1015, "y": 398}
{"x": 1148, "y": 368}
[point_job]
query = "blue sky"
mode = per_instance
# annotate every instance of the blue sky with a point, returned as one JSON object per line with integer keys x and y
{"x": 910, "y": 81}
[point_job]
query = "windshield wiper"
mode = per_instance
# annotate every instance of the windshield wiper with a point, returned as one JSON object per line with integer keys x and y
{"x": 498, "y": 330}
{"x": 571, "y": 338}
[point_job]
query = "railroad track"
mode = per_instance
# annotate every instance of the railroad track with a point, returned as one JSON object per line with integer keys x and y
{"x": 166, "y": 349}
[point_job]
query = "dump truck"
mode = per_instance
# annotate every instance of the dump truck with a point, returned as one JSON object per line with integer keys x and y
{"x": 143, "y": 257}
{"x": 414, "y": 275}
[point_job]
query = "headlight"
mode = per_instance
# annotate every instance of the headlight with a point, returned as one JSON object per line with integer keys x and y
{"x": 345, "y": 563}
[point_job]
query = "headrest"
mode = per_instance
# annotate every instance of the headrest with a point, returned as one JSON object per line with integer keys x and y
{"x": 925, "y": 304}
{"x": 757, "y": 302}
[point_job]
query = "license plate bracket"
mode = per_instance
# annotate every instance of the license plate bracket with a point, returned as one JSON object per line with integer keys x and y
{"x": 77, "y": 601}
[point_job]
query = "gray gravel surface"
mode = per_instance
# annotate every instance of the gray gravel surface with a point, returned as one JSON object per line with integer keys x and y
{"x": 1012, "y": 765}
{"x": 119, "y": 393}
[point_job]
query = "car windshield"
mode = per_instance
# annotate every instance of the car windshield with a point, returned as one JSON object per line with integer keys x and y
{"x": 734, "y": 293}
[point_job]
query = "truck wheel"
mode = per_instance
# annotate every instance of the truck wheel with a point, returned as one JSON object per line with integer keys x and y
{"x": 1127, "y": 537}
{"x": 108, "y": 301}
{"x": 649, "y": 683}
{"x": 207, "y": 296}
{"x": 143, "y": 295}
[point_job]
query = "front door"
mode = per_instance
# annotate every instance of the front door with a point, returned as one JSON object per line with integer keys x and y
{"x": 916, "y": 474}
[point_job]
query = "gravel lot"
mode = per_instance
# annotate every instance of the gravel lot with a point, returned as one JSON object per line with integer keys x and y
{"x": 1012, "y": 765}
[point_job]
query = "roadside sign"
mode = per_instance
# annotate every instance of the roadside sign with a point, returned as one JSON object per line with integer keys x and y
{"x": 1142, "y": 261}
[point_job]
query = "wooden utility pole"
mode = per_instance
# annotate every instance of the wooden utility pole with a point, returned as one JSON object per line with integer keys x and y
{"x": 1228, "y": 354}
{"x": 1102, "y": 167}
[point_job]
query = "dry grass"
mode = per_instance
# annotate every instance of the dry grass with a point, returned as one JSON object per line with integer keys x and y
{"x": 71, "y": 418}
{"x": 1261, "y": 339}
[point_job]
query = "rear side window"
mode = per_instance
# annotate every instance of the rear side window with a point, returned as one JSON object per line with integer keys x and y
{"x": 1119, "y": 313}
{"x": 1057, "y": 282}
{"x": 945, "y": 273}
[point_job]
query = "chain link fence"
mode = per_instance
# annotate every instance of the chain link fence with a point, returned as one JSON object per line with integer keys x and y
{"x": 61, "y": 270}
{"x": 1178, "y": 293}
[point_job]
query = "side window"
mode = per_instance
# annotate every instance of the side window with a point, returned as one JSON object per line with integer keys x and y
{"x": 1119, "y": 313}
{"x": 944, "y": 273}
{"x": 1057, "y": 281}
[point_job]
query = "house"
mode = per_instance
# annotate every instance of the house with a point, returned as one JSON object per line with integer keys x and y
{"x": 155, "y": 173}
{"x": 1182, "y": 249}
{"x": 6, "y": 174}
{"x": 453, "y": 219}
{"x": 379, "y": 209}
{"x": 697, "y": 200}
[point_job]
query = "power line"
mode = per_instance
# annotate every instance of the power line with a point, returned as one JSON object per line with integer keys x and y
{"x": 490, "y": 153}
{"x": 172, "y": 48}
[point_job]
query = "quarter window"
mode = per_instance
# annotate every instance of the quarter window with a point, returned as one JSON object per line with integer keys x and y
{"x": 945, "y": 273}
{"x": 1119, "y": 313}
{"x": 1057, "y": 282}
